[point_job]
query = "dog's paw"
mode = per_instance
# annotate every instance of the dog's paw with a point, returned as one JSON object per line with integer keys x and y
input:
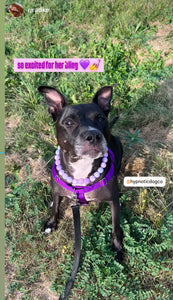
{"x": 47, "y": 230}
{"x": 49, "y": 227}
{"x": 51, "y": 204}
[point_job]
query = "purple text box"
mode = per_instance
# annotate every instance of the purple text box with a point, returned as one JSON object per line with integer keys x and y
{"x": 58, "y": 65}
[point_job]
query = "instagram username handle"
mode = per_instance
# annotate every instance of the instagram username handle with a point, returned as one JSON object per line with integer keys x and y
{"x": 144, "y": 181}
{"x": 38, "y": 10}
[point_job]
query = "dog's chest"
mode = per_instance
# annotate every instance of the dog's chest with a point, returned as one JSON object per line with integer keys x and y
{"x": 82, "y": 167}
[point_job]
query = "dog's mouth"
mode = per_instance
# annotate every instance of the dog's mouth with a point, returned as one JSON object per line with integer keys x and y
{"x": 92, "y": 151}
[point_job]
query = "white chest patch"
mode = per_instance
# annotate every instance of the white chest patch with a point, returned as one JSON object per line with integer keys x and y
{"x": 82, "y": 167}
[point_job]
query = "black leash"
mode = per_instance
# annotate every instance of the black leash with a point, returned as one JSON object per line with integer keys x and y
{"x": 77, "y": 230}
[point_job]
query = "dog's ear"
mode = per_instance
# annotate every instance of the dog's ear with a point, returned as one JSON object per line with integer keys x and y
{"x": 103, "y": 98}
{"x": 55, "y": 100}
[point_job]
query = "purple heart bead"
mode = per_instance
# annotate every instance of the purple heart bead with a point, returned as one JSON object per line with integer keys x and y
{"x": 84, "y": 63}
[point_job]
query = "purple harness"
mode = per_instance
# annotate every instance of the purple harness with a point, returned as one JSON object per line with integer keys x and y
{"x": 79, "y": 191}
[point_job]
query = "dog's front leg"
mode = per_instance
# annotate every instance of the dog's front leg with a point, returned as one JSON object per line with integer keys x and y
{"x": 52, "y": 222}
{"x": 117, "y": 234}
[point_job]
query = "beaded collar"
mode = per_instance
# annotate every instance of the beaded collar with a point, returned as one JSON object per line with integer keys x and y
{"x": 80, "y": 187}
{"x": 81, "y": 181}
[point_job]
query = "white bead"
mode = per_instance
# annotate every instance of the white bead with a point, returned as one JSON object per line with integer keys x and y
{"x": 59, "y": 167}
{"x": 74, "y": 182}
{"x": 103, "y": 165}
{"x": 92, "y": 178}
{"x": 57, "y": 162}
{"x": 69, "y": 179}
{"x": 61, "y": 172}
{"x": 104, "y": 159}
{"x": 97, "y": 174}
{"x": 64, "y": 176}
{"x": 86, "y": 181}
{"x": 100, "y": 170}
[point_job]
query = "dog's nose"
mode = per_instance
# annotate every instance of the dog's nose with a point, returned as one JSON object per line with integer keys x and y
{"x": 93, "y": 136}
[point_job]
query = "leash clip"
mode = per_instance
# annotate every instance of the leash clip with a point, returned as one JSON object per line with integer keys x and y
{"x": 75, "y": 199}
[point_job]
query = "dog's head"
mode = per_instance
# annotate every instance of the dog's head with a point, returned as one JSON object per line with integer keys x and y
{"x": 81, "y": 129}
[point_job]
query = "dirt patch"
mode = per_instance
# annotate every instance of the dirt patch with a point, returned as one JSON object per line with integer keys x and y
{"x": 12, "y": 158}
{"x": 163, "y": 41}
{"x": 41, "y": 290}
{"x": 12, "y": 122}
{"x": 164, "y": 94}
{"x": 135, "y": 166}
{"x": 154, "y": 133}
{"x": 143, "y": 54}
{"x": 169, "y": 137}
{"x": 38, "y": 170}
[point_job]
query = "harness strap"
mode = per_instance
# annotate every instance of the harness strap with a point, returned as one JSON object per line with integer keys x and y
{"x": 77, "y": 230}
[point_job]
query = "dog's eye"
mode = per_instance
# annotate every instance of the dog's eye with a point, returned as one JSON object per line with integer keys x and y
{"x": 100, "y": 118}
{"x": 69, "y": 123}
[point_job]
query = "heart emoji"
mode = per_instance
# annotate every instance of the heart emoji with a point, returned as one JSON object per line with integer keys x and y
{"x": 84, "y": 63}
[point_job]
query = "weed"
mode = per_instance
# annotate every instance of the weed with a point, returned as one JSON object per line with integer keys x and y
{"x": 133, "y": 137}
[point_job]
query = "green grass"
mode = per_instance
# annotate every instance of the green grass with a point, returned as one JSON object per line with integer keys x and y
{"x": 117, "y": 31}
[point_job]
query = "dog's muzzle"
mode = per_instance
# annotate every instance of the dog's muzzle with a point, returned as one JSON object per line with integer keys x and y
{"x": 92, "y": 143}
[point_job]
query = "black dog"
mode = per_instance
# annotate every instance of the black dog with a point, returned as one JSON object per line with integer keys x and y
{"x": 88, "y": 158}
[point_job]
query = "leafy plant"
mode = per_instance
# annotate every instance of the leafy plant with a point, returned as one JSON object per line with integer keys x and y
{"x": 133, "y": 137}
